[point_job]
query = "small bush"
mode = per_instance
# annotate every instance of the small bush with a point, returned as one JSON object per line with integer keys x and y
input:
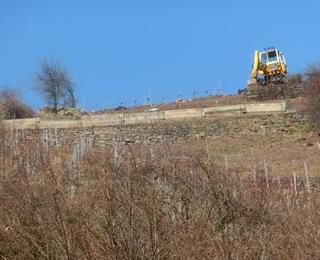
{"x": 313, "y": 95}
{"x": 11, "y": 105}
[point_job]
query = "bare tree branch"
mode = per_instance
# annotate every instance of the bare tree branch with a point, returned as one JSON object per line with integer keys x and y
{"x": 55, "y": 86}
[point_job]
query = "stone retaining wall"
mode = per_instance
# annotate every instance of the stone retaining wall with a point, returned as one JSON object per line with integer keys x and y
{"x": 148, "y": 117}
{"x": 146, "y": 127}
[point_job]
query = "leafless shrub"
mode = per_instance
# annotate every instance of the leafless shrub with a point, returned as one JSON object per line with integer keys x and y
{"x": 54, "y": 84}
{"x": 12, "y": 106}
{"x": 313, "y": 94}
{"x": 165, "y": 201}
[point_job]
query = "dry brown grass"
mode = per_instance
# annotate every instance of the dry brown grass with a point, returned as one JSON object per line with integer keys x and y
{"x": 199, "y": 102}
{"x": 147, "y": 202}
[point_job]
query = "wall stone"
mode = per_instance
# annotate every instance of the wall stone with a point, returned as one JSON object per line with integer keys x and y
{"x": 149, "y": 128}
{"x": 159, "y": 132}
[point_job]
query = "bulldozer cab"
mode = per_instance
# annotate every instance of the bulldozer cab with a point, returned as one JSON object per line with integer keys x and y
{"x": 269, "y": 69}
{"x": 270, "y": 56}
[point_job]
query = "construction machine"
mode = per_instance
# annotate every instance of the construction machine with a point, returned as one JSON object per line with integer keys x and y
{"x": 269, "y": 69}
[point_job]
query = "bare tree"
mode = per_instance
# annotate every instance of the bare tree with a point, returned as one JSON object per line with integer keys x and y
{"x": 12, "y": 106}
{"x": 54, "y": 84}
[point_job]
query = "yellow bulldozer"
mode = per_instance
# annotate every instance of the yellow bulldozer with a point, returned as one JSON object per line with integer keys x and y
{"x": 269, "y": 69}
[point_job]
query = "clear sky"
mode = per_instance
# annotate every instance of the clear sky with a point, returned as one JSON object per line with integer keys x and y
{"x": 122, "y": 51}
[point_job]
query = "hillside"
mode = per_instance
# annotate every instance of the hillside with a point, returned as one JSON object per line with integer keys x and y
{"x": 245, "y": 133}
{"x": 212, "y": 187}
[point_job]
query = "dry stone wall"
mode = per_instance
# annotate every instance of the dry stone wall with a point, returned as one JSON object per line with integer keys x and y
{"x": 142, "y": 128}
{"x": 151, "y": 133}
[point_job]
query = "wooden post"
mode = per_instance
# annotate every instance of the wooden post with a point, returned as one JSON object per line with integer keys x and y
{"x": 226, "y": 162}
{"x": 254, "y": 175}
{"x": 46, "y": 138}
{"x": 56, "y": 135}
{"x": 207, "y": 148}
{"x": 307, "y": 176}
{"x": 295, "y": 183}
{"x": 266, "y": 172}
{"x": 50, "y": 136}
{"x": 279, "y": 182}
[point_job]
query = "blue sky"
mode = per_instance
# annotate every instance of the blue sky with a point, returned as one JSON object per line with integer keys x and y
{"x": 122, "y": 51}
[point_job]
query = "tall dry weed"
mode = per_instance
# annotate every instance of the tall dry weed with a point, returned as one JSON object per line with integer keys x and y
{"x": 165, "y": 201}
